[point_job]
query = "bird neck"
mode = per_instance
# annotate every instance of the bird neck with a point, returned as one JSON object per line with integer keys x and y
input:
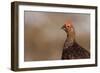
{"x": 71, "y": 36}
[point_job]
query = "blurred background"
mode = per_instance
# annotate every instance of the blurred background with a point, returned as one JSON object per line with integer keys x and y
{"x": 44, "y": 38}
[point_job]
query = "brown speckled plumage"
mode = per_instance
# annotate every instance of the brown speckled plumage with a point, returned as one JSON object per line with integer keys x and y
{"x": 75, "y": 52}
{"x": 71, "y": 49}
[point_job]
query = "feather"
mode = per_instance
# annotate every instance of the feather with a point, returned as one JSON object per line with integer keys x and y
{"x": 71, "y": 49}
{"x": 75, "y": 52}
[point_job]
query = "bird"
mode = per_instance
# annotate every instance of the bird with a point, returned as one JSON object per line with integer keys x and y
{"x": 71, "y": 49}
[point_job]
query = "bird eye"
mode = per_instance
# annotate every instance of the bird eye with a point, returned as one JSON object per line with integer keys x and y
{"x": 67, "y": 26}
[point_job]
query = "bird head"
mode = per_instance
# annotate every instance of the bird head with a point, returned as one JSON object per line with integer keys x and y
{"x": 67, "y": 27}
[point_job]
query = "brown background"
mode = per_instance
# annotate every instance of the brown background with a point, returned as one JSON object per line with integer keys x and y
{"x": 44, "y": 38}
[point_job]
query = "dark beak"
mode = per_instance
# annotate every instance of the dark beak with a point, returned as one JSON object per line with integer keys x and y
{"x": 63, "y": 27}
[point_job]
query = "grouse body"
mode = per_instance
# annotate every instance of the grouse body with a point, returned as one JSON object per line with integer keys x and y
{"x": 71, "y": 49}
{"x": 75, "y": 52}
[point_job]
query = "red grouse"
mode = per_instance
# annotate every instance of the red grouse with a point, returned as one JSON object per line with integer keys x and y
{"x": 71, "y": 49}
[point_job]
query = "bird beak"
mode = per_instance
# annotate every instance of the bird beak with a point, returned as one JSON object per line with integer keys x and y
{"x": 63, "y": 27}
